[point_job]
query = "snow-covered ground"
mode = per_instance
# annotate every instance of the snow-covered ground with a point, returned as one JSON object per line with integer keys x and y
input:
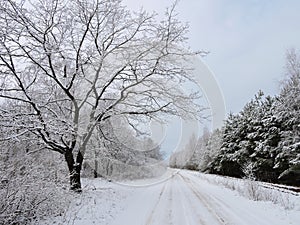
{"x": 178, "y": 197}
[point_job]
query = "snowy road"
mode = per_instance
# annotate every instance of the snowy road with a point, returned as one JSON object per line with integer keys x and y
{"x": 185, "y": 199}
{"x": 179, "y": 197}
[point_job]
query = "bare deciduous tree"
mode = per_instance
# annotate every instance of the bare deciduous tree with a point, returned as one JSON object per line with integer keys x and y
{"x": 68, "y": 65}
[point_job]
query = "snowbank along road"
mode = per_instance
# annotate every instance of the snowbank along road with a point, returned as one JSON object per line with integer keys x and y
{"x": 180, "y": 197}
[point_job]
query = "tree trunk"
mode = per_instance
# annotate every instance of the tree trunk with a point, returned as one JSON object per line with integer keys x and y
{"x": 75, "y": 179}
{"x": 74, "y": 170}
{"x": 96, "y": 169}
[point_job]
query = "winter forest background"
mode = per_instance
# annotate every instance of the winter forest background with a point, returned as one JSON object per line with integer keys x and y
{"x": 76, "y": 82}
{"x": 263, "y": 137}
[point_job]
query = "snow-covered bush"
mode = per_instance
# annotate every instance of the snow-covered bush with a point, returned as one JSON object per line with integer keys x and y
{"x": 31, "y": 186}
{"x": 116, "y": 152}
{"x": 253, "y": 190}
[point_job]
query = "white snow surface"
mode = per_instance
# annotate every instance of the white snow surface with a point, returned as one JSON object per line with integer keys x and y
{"x": 178, "y": 197}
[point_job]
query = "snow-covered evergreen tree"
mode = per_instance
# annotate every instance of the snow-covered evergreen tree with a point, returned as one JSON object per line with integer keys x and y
{"x": 288, "y": 110}
{"x": 212, "y": 149}
{"x": 265, "y": 133}
{"x": 252, "y": 135}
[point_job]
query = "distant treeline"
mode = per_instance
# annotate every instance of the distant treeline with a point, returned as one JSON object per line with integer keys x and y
{"x": 265, "y": 134}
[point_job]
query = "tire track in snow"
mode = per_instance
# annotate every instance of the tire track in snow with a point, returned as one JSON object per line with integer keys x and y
{"x": 150, "y": 218}
{"x": 164, "y": 205}
{"x": 217, "y": 202}
{"x": 204, "y": 201}
{"x": 170, "y": 198}
{"x": 188, "y": 204}
{"x": 189, "y": 209}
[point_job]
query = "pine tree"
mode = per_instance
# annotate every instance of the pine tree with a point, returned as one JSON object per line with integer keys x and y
{"x": 288, "y": 158}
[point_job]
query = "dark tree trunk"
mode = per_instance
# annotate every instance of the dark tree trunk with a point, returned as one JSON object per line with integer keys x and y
{"x": 75, "y": 178}
{"x": 96, "y": 169}
{"x": 74, "y": 170}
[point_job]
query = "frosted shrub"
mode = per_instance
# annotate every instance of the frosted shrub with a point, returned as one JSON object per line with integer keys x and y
{"x": 30, "y": 188}
{"x": 252, "y": 189}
